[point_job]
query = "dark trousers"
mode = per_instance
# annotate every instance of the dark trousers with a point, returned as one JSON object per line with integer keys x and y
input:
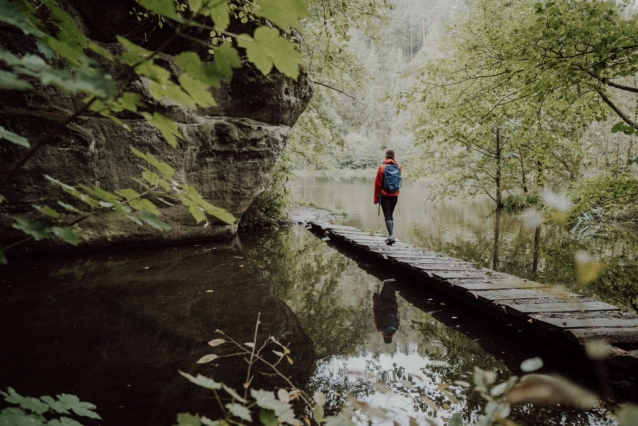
{"x": 388, "y": 204}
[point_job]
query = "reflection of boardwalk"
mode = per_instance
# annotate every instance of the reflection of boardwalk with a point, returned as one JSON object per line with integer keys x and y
{"x": 565, "y": 318}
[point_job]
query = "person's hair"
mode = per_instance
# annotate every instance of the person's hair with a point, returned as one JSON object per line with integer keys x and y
{"x": 389, "y": 153}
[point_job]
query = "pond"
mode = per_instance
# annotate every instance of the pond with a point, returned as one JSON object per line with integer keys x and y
{"x": 114, "y": 328}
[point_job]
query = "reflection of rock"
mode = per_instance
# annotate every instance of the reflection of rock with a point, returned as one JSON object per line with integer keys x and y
{"x": 115, "y": 329}
{"x": 228, "y": 151}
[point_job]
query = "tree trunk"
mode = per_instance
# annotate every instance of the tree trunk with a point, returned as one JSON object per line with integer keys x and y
{"x": 499, "y": 190}
{"x": 497, "y": 237}
{"x": 523, "y": 179}
{"x": 537, "y": 246}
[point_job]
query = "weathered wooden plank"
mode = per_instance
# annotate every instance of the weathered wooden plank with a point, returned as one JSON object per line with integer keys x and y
{"x": 499, "y": 284}
{"x": 358, "y": 234}
{"x": 329, "y": 226}
{"x": 381, "y": 245}
{"x": 409, "y": 257}
{"x": 532, "y": 308}
{"x": 587, "y": 322}
{"x": 440, "y": 260}
{"x": 459, "y": 275}
{"x": 442, "y": 267}
{"x": 610, "y": 335}
{"x": 505, "y": 294}
{"x": 392, "y": 252}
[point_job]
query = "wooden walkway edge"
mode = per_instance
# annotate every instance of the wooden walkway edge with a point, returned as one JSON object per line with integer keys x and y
{"x": 557, "y": 316}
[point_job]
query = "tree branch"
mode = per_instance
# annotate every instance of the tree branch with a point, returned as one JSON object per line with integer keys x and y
{"x": 614, "y": 107}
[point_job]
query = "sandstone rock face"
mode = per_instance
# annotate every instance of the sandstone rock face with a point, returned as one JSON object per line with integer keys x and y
{"x": 227, "y": 154}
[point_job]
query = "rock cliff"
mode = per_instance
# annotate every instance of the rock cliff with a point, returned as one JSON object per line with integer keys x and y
{"x": 228, "y": 152}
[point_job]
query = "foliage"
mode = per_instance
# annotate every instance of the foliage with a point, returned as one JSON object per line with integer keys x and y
{"x": 518, "y": 202}
{"x": 271, "y": 206}
{"x": 477, "y": 127}
{"x": 75, "y": 72}
{"x": 337, "y": 69}
{"x": 45, "y": 410}
{"x": 604, "y": 192}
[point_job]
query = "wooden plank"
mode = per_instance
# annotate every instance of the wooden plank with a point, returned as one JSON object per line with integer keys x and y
{"x": 505, "y": 294}
{"x": 438, "y": 260}
{"x": 414, "y": 256}
{"x": 588, "y": 322}
{"x": 533, "y": 308}
{"x": 610, "y": 335}
{"x": 392, "y": 252}
{"x": 459, "y": 275}
{"x": 442, "y": 267}
{"x": 357, "y": 234}
{"x": 499, "y": 285}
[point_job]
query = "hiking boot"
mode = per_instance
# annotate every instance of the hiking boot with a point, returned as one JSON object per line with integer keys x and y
{"x": 390, "y": 240}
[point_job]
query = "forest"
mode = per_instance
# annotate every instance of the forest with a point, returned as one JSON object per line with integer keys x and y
{"x": 149, "y": 123}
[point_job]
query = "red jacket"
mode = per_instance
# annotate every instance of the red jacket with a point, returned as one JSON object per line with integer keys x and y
{"x": 378, "y": 182}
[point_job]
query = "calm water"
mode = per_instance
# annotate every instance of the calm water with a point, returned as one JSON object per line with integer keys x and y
{"x": 471, "y": 230}
{"x": 114, "y": 328}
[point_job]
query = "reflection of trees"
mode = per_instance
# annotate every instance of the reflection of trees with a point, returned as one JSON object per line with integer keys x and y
{"x": 545, "y": 255}
{"x": 308, "y": 276}
{"x": 618, "y": 283}
{"x": 440, "y": 344}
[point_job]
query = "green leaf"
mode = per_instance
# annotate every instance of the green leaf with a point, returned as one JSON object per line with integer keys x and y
{"x": 166, "y": 126}
{"x": 70, "y": 208}
{"x": 14, "y": 416}
{"x": 153, "y": 220}
{"x": 217, "y": 212}
{"x": 63, "y": 421}
{"x": 232, "y": 393}
{"x": 136, "y": 52}
{"x": 187, "y": 419}
{"x": 84, "y": 409}
{"x": 268, "y": 48}
{"x": 202, "y": 381}
{"x": 68, "y": 234}
{"x": 219, "y": 12}
{"x": 163, "y": 168}
{"x": 12, "y": 137}
{"x": 267, "y": 400}
{"x": 197, "y": 90}
{"x": 47, "y": 211}
{"x": 283, "y": 13}
{"x": 3, "y": 257}
{"x": 268, "y": 418}
{"x": 165, "y": 8}
{"x": 35, "y": 229}
{"x": 130, "y": 101}
{"x": 145, "y": 205}
{"x": 226, "y": 58}
{"x": 26, "y": 402}
{"x": 150, "y": 177}
{"x": 239, "y": 411}
{"x": 74, "y": 192}
{"x": 128, "y": 193}
{"x": 10, "y": 81}
{"x": 56, "y": 406}
{"x": 208, "y": 422}
{"x": 195, "y": 211}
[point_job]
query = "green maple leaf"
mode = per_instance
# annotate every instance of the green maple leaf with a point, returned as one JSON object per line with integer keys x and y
{"x": 268, "y": 48}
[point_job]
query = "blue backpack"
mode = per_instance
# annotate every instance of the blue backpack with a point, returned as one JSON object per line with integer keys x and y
{"x": 391, "y": 178}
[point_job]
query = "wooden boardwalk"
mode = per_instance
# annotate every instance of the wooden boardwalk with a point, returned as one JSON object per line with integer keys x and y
{"x": 558, "y": 316}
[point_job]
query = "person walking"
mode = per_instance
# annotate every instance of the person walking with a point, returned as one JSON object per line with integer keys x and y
{"x": 386, "y": 190}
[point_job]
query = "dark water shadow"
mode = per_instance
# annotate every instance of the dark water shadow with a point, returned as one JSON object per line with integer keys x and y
{"x": 115, "y": 328}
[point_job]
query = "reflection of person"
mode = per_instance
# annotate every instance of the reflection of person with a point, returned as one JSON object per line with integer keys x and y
{"x": 386, "y": 312}
{"x": 386, "y": 190}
